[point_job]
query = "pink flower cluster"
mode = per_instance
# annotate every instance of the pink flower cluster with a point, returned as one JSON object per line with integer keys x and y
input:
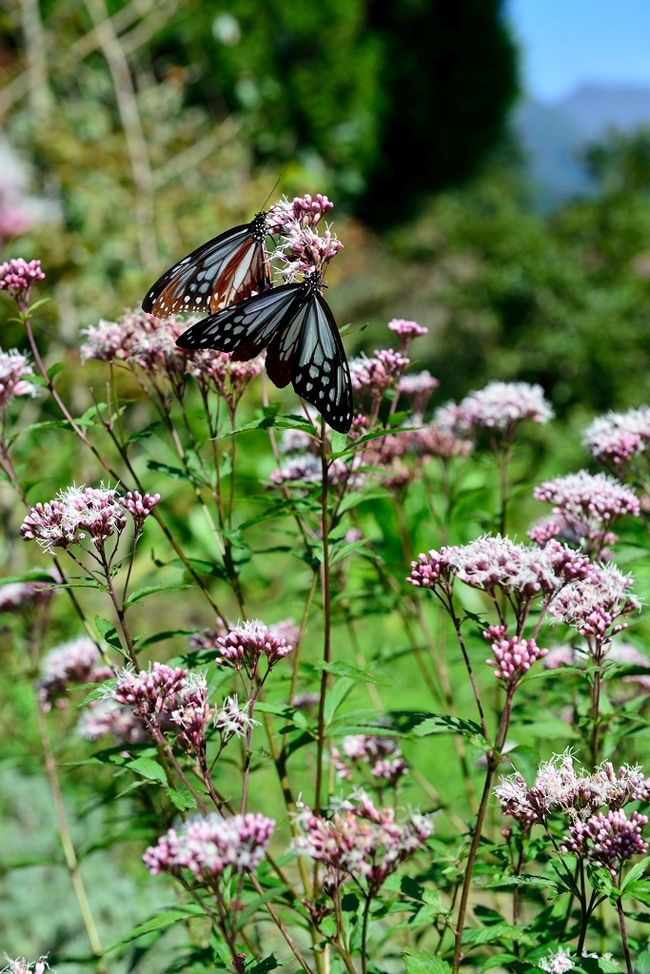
{"x": 167, "y": 696}
{"x": 244, "y": 646}
{"x": 102, "y": 717}
{"x": 22, "y": 966}
{"x": 608, "y": 839}
{"x": 594, "y": 604}
{"x": 499, "y": 408}
{"x": 305, "y": 210}
{"x": 77, "y": 512}
{"x": 407, "y": 329}
{"x": 15, "y": 373}
{"x": 217, "y": 372}
{"x": 231, "y": 720}
{"x": 562, "y": 786}
{"x": 379, "y": 372}
{"x": 77, "y": 661}
{"x": 17, "y": 277}
{"x": 493, "y": 562}
{"x": 209, "y": 845}
{"x": 513, "y": 656}
{"x": 616, "y": 438}
{"x": 417, "y": 387}
{"x": 19, "y": 595}
{"x": 381, "y": 755}
{"x": 111, "y": 341}
{"x": 585, "y": 506}
{"x": 359, "y": 842}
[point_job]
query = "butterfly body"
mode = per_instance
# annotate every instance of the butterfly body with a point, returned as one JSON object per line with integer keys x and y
{"x": 226, "y": 269}
{"x": 296, "y": 327}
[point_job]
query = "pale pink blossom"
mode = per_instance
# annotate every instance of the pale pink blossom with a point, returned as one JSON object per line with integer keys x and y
{"x": 209, "y": 845}
{"x": 305, "y": 210}
{"x": 513, "y": 656}
{"x": 608, "y": 839}
{"x": 499, "y": 408}
{"x": 15, "y": 375}
{"x": 74, "y": 662}
{"x": 107, "y": 716}
{"x": 616, "y": 438}
{"x": 244, "y": 646}
{"x": 17, "y": 276}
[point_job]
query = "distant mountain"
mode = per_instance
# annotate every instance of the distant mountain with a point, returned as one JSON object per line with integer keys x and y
{"x": 553, "y": 134}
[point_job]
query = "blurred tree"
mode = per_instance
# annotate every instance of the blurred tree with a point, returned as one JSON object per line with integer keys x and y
{"x": 384, "y": 99}
{"x": 620, "y": 163}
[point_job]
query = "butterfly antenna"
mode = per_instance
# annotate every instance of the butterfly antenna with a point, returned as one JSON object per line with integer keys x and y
{"x": 273, "y": 189}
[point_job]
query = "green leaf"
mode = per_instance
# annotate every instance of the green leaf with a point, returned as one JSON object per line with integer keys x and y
{"x": 635, "y": 873}
{"x": 445, "y": 724}
{"x": 268, "y": 964}
{"x": 143, "y": 593}
{"x": 55, "y": 369}
{"x": 181, "y": 798}
{"x": 160, "y": 921}
{"x": 496, "y": 933}
{"x": 145, "y": 432}
{"x": 348, "y": 672}
{"x": 422, "y": 962}
{"x": 177, "y": 472}
{"x": 335, "y": 698}
{"x": 148, "y": 768}
{"x": 108, "y": 632}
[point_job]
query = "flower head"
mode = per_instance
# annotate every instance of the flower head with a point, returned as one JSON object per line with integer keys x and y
{"x": 245, "y": 645}
{"x": 22, "y": 966}
{"x": 608, "y": 839}
{"x": 359, "y": 841}
{"x": 303, "y": 249}
{"x": 107, "y": 716}
{"x": 18, "y": 595}
{"x": 17, "y": 277}
{"x": 76, "y": 661}
{"x": 407, "y": 329}
{"x": 209, "y": 845}
{"x": 558, "y": 962}
{"x": 231, "y": 720}
{"x": 379, "y": 372}
{"x": 593, "y": 605}
{"x": 15, "y": 373}
{"x": 78, "y": 512}
{"x": 305, "y": 210}
{"x": 616, "y": 438}
{"x": 417, "y": 388}
{"x": 499, "y": 407}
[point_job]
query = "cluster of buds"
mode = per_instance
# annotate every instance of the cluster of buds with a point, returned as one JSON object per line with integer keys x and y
{"x": 359, "y": 842}
{"x": 380, "y": 755}
{"x": 78, "y": 661}
{"x": 609, "y": 839}
{"x": 210, "y": 845}
{"x": 379, "y": 372}
{"x": 305, "y": 210}
{"x": 166, "y": 697}
{"x": 17, "y": 276}
{"x": 106, "y": 717}
{"x": 21, "y": 966}
{"x": 244, "y": 646}
{"x": 513, "y": 656}
{"x": 585, "y": 506}
{"x": 217, "y": 372}
{"x": 406, "y": 331}
{"x": 16, "y": 373}
{"x": 79, "y": 512}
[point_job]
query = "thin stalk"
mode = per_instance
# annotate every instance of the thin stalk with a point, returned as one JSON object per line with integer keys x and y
{"x": 120, "y": 611}
{"x": 492, "y": 764}
{"x": 626, "y": 947}
{"x": 327, "y": 624}
{"x": 364, "y": 934}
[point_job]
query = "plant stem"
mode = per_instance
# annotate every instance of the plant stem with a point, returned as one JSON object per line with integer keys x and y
{"x": 364, "y": 934}
{"x": 67, "y": 845}
{"x": 327, "y": 624}
{"x": 493, "y": 757}
{"x": 626, "y": 947}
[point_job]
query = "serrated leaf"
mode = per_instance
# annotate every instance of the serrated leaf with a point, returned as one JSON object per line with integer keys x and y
{"x": 635, "y": 873}
{"x": 181, "y": 798}
{"x": 148, "y": 768}
{"x": 446, "y": 724}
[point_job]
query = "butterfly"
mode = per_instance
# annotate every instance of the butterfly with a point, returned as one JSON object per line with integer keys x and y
{"x": 226, "y": 269}
{"x": 296, "y": 327}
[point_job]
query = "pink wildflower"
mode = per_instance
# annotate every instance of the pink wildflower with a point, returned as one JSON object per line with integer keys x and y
{"x": 417, "y": 388}
{"x": 103, "y": 717}
{"x": 378, "y": 373}
{"x": 139, "y": 506}
{"x": 19, "y": 595}
{"x": 500, "y": 407}
{"x": 17, "y": 277}
{"x": 513, "y": 656}
{"x": 231, "y": 720}
{"x": 407, "y": 329}
{"x": 616, "y": 438}
{"x": 303, "y": 249}
{"x": 209, "y": 845}
{"x": 359, "y": 842}
{"x": 245, "y": 645}
{"x": 593, "y": 605}
{"x": 22, "y": 966}
{"x": 73, "y": 662}
{"x": 609, "y": 839}
{"x": 15, "y": 373}
{"x": 305, "y": 210}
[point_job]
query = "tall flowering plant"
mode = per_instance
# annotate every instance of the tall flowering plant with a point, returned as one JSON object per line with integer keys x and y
{"x": 373, "y": 782}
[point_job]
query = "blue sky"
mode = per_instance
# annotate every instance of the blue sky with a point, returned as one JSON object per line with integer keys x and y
{"x": 567, "y": 42}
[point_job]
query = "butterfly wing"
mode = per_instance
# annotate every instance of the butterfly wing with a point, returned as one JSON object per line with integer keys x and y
{"x": 224, "y": 270}
{"x": 309, "y": 353}
{"x": 246, "y": 328}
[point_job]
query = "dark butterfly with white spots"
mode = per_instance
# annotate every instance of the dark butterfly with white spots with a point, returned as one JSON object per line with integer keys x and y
{"x": 224, "y": 270}
{"x": 296, "y": 327}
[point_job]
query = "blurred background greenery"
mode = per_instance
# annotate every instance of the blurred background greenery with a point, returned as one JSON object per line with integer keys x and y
{"x": 134, "y": 131}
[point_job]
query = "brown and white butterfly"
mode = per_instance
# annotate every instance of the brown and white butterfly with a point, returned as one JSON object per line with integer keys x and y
{"x": 223, "y": 271}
